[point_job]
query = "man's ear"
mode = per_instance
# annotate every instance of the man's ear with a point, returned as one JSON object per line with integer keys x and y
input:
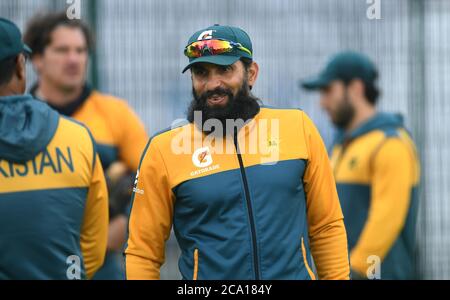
{"x": 36, "y": 60}
{"x": 21, "y": 67}
{"x": 356, "y": 89}
{"x": 252, "y": 73}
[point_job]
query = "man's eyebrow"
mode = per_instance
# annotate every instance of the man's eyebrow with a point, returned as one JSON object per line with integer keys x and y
{"x": 198, "y": 68}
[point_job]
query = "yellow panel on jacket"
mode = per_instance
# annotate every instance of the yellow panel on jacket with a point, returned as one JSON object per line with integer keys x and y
{"x": 377, "y": 173}
{"x": 117, "y": 130}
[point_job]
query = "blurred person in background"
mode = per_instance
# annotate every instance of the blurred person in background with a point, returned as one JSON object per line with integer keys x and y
{"x": 60, "y": 57}
{"x": 54, "y": 200}
{"x": 236, "y": 214}
{"x": 376, "y": 169}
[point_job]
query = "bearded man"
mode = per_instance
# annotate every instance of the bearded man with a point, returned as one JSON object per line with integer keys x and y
{"x": 249, "y": 190}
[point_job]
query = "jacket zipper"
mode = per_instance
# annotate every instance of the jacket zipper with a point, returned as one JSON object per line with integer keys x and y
{"x": 249, "y": 207}
{"x": 338, "y": 163}
{"x": 341, "y": 156}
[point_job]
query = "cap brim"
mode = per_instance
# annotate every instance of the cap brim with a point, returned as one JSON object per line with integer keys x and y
{"x": 222, "y": 60}
{"x": 316, "y": 83}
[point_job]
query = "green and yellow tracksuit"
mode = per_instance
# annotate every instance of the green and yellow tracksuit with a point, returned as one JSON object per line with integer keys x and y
{"x": 120, "y": 137}
{"x": 377, "y": 173}
{"x": 239, "y": 214}
{"x": 53, "y": 195}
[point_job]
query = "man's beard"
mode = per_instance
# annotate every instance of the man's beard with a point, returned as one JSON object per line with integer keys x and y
{"x": 244, "y": 106}
{"x": 344, "y": 114}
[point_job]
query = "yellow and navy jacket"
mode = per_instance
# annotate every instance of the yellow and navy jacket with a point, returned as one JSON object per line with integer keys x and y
{"x": 53, "y": 196}
{"x": 239, "y": 213}
{"x": 119, "y": 135}
{"x": 377, "y": 173}
{"x": 117, "y": 130}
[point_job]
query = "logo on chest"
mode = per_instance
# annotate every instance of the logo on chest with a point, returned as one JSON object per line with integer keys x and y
{"x": 202, "y": 158}
{"x": 353, "y": 163}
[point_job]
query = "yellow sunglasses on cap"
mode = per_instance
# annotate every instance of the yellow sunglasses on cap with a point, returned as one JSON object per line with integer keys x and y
{"x": 212, "y": 47}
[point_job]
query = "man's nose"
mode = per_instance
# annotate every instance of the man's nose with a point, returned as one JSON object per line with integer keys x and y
{"x": 214, "y": 81}
{"x": 74, "y": 56}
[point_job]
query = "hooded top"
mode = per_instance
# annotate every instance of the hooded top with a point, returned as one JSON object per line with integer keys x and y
{"x": 54, "y": 203}
{"x": 26, "y": 127}
{"x": 377, "y": 173}
{"x": 386, "y": 122}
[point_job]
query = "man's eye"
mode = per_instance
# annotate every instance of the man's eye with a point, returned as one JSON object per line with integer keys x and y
{"x": 81, "y": 50}
{"x": 225, "y": 68}
{"x": 199, "y": 72}
{"x": 62, "y": 50}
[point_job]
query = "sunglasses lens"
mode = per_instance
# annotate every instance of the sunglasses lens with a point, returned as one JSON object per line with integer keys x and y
{"x": 219, "y": 47}
{"x": 209, "y": 47}
{"x": 193, "y": 51}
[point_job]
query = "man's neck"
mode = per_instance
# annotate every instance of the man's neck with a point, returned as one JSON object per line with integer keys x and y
{"x": 362, "y": 115}
{"x": 8, "y": 91}
{"x": 57, "y": 96}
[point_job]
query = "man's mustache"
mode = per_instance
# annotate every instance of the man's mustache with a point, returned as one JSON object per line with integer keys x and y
{"x": 216, "y": 92}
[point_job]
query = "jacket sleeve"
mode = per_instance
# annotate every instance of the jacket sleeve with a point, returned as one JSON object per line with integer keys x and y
{"x": 151, "y": 218}
{"x": 133, "y": 137}
{"x": 328, "y": 238}
{"x": 390, "y": 199}
{"x": 94, "y": 230}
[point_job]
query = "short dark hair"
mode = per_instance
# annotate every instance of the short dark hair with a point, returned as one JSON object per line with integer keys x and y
{"x": 247, "y": 62}
{"x": 372, "y": 93}
{"x": 371, "y": 90}
{"x": 40, "y": 28}
{"x": 7, "y": 68}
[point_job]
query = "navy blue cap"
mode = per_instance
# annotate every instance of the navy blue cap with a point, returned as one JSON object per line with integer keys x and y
{"x": 11, "y": 40}
{"x": 228, "y": 33}
{"x": 344, "y": 66}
